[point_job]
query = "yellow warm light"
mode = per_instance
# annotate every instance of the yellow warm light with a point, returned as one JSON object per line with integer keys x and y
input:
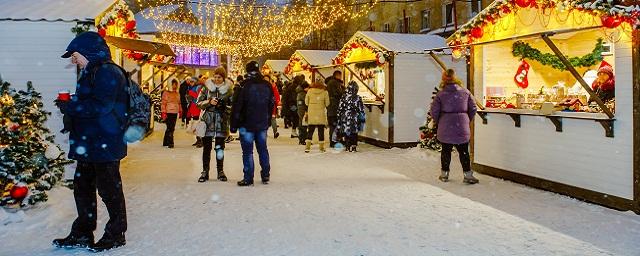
{"x": 247, "y": 29}
{"x": 531, "y": 21}
{"x": 360, "y": 55}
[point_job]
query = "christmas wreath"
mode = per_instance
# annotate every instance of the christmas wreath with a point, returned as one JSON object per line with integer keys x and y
{"x": 525, "y": 51}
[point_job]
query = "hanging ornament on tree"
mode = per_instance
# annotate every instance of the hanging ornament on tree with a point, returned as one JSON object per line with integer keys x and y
{"x": 521, "y": 77}
{"x": 19, "y": 191}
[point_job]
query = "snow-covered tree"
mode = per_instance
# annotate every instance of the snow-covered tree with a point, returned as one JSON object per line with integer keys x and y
{"x": 30, "y": 162}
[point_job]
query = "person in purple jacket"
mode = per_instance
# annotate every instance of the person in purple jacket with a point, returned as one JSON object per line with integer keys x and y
{"x": 452, "y": 110}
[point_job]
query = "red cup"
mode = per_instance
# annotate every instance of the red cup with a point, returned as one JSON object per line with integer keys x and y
{"x": 64, "y": 95}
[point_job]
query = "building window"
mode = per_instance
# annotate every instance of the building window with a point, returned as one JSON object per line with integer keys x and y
{"x": 426, "y": 21}
{"x": 447, "y": 14}
{"x": 386, "y": 27}
{"x": 476, "y": 7}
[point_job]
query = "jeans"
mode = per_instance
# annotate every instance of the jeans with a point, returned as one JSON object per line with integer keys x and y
{"x": 185, "y": 109}
{"x": 247, "y": 138}
{"x": 171, "y": 127}
{"x": 106, "y": 178}
{"x": 206, "y": 152}
{"x": 463, "y": 152}
{"x": 312, "y": 129}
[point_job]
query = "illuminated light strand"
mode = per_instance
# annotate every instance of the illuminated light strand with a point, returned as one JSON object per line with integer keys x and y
{"x": 240, "y": 27}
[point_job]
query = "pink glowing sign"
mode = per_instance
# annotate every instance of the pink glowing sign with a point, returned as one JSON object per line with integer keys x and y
{"x": 196, "y": 56}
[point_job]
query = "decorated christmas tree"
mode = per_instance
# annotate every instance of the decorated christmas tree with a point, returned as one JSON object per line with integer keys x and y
{"x": 429, "y": 131}
{"x": 30, "y": 162}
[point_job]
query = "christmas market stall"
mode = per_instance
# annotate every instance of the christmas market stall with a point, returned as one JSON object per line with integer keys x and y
{"x": 313, "y": 64}
{"x": 396, "y": 81}
{"x": 561, "y": 84}
{"x": 277, "y": 67}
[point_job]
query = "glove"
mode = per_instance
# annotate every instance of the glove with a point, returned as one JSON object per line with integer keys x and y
{"x": 164, "y": 116}
{"x": 61, "y": 104}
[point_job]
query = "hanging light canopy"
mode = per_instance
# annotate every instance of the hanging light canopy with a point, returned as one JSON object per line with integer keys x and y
{"x": 248, "y": 28}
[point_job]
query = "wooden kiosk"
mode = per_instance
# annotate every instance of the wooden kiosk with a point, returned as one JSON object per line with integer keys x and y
{"x": 396, "y": 81}
{"x": 527, "y": 134}
{"x": 277, "y": 67}
{"x": 313, "y": 64}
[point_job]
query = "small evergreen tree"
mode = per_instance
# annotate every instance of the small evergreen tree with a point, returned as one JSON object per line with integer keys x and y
{"x": 30, "y": 162}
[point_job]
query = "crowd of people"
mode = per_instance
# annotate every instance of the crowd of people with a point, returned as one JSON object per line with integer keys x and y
{"x": 97, "y": 121}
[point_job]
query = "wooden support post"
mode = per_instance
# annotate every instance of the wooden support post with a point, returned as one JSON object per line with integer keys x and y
{"x": 575, "y": 74}
{"x": 167, "y": 78}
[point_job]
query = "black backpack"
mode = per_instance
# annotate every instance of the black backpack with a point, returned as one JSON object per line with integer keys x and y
{"x": 138, "y": 110}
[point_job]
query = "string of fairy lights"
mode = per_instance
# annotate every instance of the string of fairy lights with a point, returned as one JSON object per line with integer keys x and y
{"x": 246, "y": 27}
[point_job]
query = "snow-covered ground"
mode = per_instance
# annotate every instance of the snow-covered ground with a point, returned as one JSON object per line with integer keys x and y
{"x": 374, "y": 202}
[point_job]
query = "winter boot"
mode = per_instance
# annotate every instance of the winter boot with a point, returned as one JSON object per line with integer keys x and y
{"x": 221, "y": 176}
{"x": 322, "y": 147}
{"x": 74, "y": 241}
{"x": 469, "y": 179}
{"x": 353, "y": 148}
{"x": 294, "y": 133}
{"x": 244, "y": 183}
{"x": 307, "y": 147}
{"x": 198, "y": 142}
{"x": 276, "y": 135}
{"x": 108, "y": 242}
{"x": 204, "y": 176}
{"x": 444, "y": 176}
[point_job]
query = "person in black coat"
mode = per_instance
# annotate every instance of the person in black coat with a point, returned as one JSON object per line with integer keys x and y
{"x": 251, "y": 116}
{"x": 97, "y": 116}
{"x": 184, "y": 104}
{"x": 335, "y": 87}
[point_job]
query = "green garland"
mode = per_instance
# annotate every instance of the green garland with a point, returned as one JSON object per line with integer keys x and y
{"x": 525, "y": 51}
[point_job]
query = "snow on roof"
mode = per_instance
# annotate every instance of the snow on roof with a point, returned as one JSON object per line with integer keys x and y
{"x": 53, "y": 10}
{"x": 402, "y": 43}
{"x": 277, "y": 65}
{"x": 317, "y": 58}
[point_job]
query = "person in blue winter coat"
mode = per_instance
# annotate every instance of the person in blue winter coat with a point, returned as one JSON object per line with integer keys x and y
{"x": 251, "y": 116}
{"x": 95, "y": 118}
{"x": 351, "y": 117}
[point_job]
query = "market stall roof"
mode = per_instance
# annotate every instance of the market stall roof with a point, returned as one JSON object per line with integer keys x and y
{"x": 53, "y": 10}
{"x": 502, "y": 8}
{"x": 316, "y": 58}
{"x": 400, "y": 42}
{"x": 140, "y": 45}
{"x": 277, "y": 65}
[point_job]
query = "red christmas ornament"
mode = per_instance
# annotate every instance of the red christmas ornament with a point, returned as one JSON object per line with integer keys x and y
{"x": 354, "y": 45}
{"x": 477, "y": 32}
{"x": 102, "y": 32}
{"x": 610, "y": 21}
{"x": 137, "y": 56}
{"x": 523, "y": 3}
{"x": 19, "y": 192}
{"x": 130, "y": 25}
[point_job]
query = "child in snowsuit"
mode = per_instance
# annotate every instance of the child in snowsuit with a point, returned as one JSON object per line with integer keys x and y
{"x": 351, "y": 117}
